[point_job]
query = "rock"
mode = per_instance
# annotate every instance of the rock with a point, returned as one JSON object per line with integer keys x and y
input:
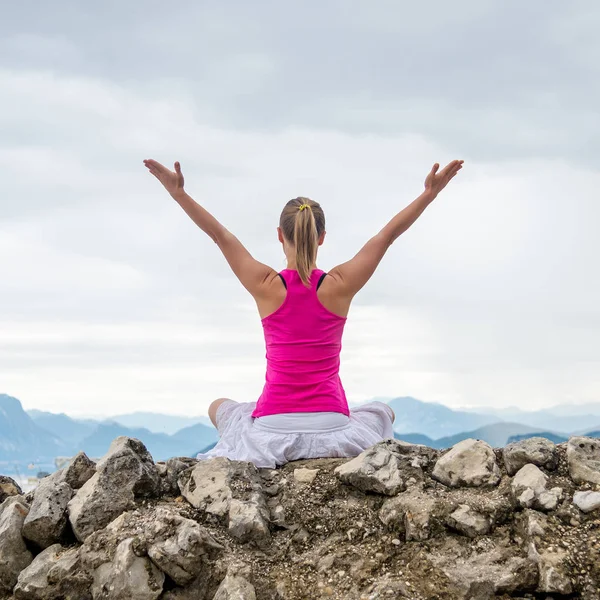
{"x": 484, "y": 574}
{"x": 248, "y": 520}
{"x": 234, "y": 587}
{"x": 47, "y": 519}
{"x": 54, "y": 573}
{"x": 583, "y": 458}
{"x": 79, "y": 470}
{"x": 469, "y": 522}
{"x": 529, "y": 489}
{"x": 230, "y": 489}
{"x": 385, "y": 467}
{"x": 127, "y": 577}
{"x": 552, "y": 572}
{"x": 535, "y": 450}
{"x": 174, "y": 468}
{"x": 410, "y": 512}
{"x": 211, "y": 484}
{"x": 305, "y": 475}
{"x": 182, "y": 554}
{"x": 468, "y": 463}
{"x": 534, "y": 524}
{"x": 125, "y": 473}
{"x": 8, "y": 487}
{"x": 586, "y": 501}
{"x": 14, "y": 555}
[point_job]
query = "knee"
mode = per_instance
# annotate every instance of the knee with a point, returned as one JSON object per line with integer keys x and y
{"x": 212, "y": 409}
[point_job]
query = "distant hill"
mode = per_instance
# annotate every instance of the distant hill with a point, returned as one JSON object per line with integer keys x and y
{"x": 434, "y": 420}
{"x": 572, "y": 418}
{"x": 160, "y": 445}
{"x": 159, "y": 423}
{"x": 70, "y": 430}
{"x": 495, "y": 435}
{"x": 21, "y": 438}
{"x": 553, "y": 437}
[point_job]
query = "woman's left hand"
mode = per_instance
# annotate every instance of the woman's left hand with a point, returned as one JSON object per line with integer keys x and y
{"x": 172, "y": 180}
{"x": 435, "y": 182}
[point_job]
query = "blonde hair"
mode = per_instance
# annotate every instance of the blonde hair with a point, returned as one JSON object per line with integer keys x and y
{"x": 302, "y": 222}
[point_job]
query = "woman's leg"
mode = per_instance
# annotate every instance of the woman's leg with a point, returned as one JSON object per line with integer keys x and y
{"x": 214, "y": 406}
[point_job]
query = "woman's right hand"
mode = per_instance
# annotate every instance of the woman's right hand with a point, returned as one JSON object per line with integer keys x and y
{"x": 172, "y": 180}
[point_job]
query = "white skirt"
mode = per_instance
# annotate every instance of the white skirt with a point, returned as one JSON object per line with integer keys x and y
{"x": 241, "y": 437}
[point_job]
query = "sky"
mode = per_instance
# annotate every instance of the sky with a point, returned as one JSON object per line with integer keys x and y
{"x": 112, "y": 301}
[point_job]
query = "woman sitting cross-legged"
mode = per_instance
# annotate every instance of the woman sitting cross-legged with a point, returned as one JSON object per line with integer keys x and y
{"x": 302, "y": 411}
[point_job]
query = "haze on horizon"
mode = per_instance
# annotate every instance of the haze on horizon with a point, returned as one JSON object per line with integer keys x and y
{"x": 111, "y": 301}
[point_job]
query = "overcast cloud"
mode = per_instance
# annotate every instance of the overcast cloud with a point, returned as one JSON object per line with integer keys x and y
{"x": 112, "y": 301}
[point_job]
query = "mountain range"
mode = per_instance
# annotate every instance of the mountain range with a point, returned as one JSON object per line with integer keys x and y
{"x": 39, "y": 437}
{"x": 36, "y": 436}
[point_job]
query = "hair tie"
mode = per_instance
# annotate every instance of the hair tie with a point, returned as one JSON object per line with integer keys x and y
{"x": 303, "y": 206}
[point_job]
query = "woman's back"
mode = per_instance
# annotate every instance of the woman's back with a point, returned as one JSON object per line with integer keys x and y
{"x": 303, "y": 341}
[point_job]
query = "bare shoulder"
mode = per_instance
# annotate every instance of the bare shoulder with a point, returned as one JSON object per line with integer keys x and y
{"x": 271, "y": 294}
{"x": 331, "y": 294}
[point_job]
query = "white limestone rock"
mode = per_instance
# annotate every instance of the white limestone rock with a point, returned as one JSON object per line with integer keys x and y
{"x": 586, "y": 501}
{"x": 469, "y": 522}
{"x": 583, "y": 457}
{"x": 55, "y": 573}
{"x": 235, "y": 587}
{"x": 127, "y": 577}
{"x": 535, "y": 450}
{"x": 469, "y": 463}
{"x": 14, "y": 554}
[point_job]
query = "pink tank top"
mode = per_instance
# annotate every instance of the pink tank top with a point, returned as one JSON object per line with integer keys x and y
{"x": 303, "y": 341}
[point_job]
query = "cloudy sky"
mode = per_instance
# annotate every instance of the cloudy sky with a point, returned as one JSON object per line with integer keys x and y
{"x": 112, "y": 301}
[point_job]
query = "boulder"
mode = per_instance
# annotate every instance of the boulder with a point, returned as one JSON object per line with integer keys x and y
{"x": 8, "y": 487}
{"x": 14, "y": 554}
{"x": 211, "y": 484}
{"x": 586, "y": 501}
{"x": 583, "y": 458}
{"x": 124, "y": 474}
{"x": 410, "y": 512}
{"x": 468, "y": 463}
{"x": 386, "y": 467}
{"x": 54, "y": 573}
{"x": 233, "y": 490}
{"x": 248, "y": 520}
{"x": 79, "y": 470}
{"x": 127, "y": 577}
{"x": 469, "y": 522}
{"x": 535, "y": 450}
{"x": 234, "y": 587}
{"x": 47, "y": 519}
{"x": 182, "y": 552}
{"x": 173, "y": 469}
{"x": 529, "y": 489}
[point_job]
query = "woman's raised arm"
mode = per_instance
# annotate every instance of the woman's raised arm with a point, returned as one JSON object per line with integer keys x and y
{"x": 252, "y": 274}
{"x": 351, "y": 276}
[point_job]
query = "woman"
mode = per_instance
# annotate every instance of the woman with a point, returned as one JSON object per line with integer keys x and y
{"x": 302, "y": 411}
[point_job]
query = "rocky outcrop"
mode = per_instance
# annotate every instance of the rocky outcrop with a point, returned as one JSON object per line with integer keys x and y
{"x": 398, "y": 521}
{"x": 8, "y": 487}
{"x": 124, "y": 475}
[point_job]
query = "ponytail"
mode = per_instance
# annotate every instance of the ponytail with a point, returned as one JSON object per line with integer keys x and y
{"x": 306, "y": 242}
{"x": 302, "y": 222}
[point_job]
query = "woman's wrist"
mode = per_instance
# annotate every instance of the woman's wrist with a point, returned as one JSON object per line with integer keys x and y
{"x": 178, "y": 195}
{"x": 429, "y": 195}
